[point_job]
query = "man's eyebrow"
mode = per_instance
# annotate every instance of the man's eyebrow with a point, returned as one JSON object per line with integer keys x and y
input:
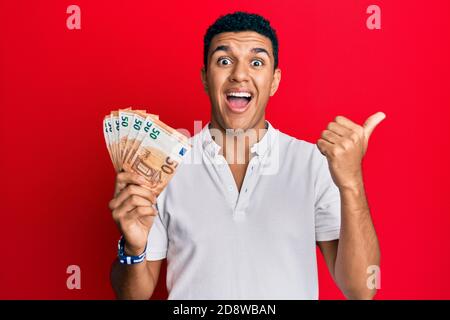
{"x": 260, "y": 50}
{"x": 221, "y": 48}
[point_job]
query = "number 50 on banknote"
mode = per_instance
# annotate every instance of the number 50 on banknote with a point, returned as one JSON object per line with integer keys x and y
{"x": 139, "y": 142}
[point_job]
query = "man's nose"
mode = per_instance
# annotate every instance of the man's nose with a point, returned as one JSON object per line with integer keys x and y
{"x": 240, "y": 72}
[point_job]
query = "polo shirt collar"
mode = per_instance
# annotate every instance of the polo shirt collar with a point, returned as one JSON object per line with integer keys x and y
{"x": 260, "y": 148}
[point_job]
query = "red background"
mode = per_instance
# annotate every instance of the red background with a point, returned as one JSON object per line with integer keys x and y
{"x": 56, "y": 84}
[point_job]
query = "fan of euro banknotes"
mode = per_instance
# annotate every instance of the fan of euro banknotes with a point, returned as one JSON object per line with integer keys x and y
{"x": 139, "y": 142}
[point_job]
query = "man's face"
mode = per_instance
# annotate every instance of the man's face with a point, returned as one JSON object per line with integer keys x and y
{"x": 239, "y": 79}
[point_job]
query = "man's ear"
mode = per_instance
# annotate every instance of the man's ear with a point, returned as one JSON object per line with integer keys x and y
{"x": 205, "y": 83}
{"x": 276, "y": 81}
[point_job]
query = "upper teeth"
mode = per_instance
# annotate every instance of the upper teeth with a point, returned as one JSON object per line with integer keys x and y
{"x": 239, "y": 94}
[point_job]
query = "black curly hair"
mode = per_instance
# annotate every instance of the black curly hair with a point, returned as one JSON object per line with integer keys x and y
{"x": 240, "y": 21}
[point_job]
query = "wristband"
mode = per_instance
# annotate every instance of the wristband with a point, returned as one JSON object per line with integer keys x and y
{"x": 124, "y": 259}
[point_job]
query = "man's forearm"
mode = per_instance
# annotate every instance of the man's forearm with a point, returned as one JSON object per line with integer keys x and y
{"x": 132, "y": 281}
{"x": 358, "y": 245}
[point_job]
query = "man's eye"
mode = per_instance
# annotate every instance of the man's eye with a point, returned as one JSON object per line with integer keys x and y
{"x": 224, "y": 61}
{"x": 257, "y": 63}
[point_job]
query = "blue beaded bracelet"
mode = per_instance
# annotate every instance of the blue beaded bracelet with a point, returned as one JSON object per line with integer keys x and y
{"x": 124, "y": 259}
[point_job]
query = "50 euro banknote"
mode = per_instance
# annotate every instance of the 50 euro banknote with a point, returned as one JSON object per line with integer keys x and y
{"x": 116, "y": 131}
{"x": 145, "y": 145}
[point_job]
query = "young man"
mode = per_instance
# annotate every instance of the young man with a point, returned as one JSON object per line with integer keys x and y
{"x": 243, "y": 223}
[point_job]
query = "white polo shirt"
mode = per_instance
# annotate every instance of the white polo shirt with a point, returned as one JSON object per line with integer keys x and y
{"x": 259, "y": 243}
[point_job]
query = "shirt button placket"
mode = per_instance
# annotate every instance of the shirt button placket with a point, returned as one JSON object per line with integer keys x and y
{"x": 240, "y": 211}
{"x": 228, "y": 180}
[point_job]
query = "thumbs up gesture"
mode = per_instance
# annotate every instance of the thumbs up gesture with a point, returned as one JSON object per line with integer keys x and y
{"x": 344, "y": 143}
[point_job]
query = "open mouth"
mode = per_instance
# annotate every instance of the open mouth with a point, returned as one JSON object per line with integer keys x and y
{"x": 238, "y": 101}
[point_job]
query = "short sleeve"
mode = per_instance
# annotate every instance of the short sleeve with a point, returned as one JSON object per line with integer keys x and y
{"x": 157, "y": 242}
{"x": 327, "y": 203}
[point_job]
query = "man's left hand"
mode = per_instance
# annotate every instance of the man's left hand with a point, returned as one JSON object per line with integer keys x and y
{"x": 344, "y": 143}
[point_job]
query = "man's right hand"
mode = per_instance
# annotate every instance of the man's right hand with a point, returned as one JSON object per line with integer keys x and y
{"x": 133, "y": 211}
